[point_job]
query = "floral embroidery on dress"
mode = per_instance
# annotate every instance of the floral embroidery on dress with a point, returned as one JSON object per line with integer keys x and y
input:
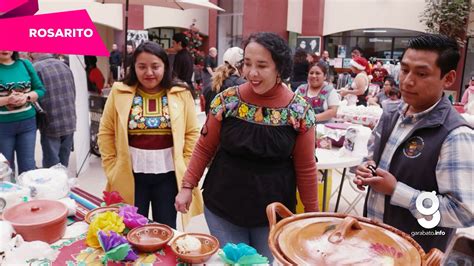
{"x": 155, "y": 117}
{"x": 316, "y": 102}
{"x": 298, "y": 113}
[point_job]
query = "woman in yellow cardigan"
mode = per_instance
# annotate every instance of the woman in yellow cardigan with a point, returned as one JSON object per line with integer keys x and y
{"x": 147, "y": 134}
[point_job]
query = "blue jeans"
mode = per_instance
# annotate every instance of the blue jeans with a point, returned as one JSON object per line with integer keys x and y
{"x": 56, "y": 149}
{"x": 19, "y": 137}
{"x": 227, "y": 232}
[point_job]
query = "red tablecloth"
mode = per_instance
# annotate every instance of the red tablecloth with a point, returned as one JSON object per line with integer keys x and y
{"x": 74, "y": 251}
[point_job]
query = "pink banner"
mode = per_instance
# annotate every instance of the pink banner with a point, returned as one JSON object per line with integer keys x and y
{"x": 6, "y": 6}
{"x": 71, "y": 32}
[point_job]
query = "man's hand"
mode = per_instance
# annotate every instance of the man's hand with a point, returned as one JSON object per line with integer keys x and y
{"x": 384, "y": 182}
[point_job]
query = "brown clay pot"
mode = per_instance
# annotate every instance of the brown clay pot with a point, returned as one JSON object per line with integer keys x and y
{"x": 43, "y": 220}
{"x": 320, "y": 238}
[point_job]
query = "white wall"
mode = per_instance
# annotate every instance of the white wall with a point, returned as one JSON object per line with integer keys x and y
{"x": 105, "y": 14}
{"x": 294, "y": 21}
{"x": 82, "y": 135}
{"x": 169, "y": 17}
{"x": 340, "y": 15}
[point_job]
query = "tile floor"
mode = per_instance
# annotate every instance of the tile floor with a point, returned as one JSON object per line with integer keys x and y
{"x": 93, "y": 180}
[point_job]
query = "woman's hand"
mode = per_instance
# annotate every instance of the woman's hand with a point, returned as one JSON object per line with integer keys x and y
{"x": 183, "y": 200}
{"x": 16, "y": 99}
{"x": 344, "y": 92}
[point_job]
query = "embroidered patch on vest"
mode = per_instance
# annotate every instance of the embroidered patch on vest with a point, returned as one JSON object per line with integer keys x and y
{"x": 413, "y": 147}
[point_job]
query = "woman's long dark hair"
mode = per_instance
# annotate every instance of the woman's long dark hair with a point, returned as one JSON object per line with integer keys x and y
{"x": 155, "y": 49}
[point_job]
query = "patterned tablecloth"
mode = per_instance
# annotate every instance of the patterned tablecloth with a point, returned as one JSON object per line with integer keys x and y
{"x": 74, "y": 251}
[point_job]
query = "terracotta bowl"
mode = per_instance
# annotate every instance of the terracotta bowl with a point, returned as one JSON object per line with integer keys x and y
{"x": 90, "y": 215}
{"x": 150, "y": 238}
{"x": 209, "y": 246}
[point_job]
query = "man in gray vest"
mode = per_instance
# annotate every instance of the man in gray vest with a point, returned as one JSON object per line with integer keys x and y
{"x": 420, "y": 166}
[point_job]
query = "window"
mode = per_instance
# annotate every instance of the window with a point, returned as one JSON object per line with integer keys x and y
{"x": 229, "y": 25}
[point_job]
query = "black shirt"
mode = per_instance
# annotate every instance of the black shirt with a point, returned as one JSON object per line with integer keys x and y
{"x": 210, "y": 62}
{"x": 183, "y": 66}
{"x": 115, "y": 58}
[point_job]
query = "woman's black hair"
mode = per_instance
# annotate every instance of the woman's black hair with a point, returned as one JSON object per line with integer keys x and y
{"x": 278, "y": 47}
{"x": 15, "y": 56}
{"x": 321, "y": 65}
{"x": 156, "y": 50}
{"x": 391, "y": 80}
{"x": 300, "y": 56}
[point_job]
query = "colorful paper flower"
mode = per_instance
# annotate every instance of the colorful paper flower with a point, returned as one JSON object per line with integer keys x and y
{"x": 131, "y": 218}
{"x": 112, "y": 197}
{"x": 241, "y": 254}
{"x": 116, "y": 247}
{"x": 106, "y": 221}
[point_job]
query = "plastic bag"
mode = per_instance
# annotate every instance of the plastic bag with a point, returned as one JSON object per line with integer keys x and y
{"x": 49, "y": 183}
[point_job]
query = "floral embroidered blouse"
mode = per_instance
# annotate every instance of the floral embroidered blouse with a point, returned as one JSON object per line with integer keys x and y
{"x": 260, "y": 154}
{"x": 297, "y": 114}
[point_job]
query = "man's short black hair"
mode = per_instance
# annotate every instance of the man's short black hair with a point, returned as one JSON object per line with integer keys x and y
{"x": 446, "y": 48}
{"x": 278, "y": 48}
{"x": 180, "y": 37}
{"x": 357, "y": 48}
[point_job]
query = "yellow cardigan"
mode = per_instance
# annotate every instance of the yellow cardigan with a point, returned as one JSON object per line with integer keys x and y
{"x": 114, "y": 148}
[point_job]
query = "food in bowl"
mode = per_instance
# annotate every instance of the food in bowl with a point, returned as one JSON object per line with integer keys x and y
{"x": 189, "y": 252}
{"x": 188, "y": 244}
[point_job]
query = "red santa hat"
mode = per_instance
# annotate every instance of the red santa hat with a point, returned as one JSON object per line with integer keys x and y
{"x": 359, "y": 63}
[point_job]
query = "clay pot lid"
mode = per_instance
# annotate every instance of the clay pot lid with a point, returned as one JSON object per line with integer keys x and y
{"x": 35, "y": 212}
{"x": 348, "y": 241}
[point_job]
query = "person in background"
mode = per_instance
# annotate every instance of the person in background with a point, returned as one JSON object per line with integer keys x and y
{"x": 183, "y": 61}
{"x": 379, "y": 73}
{"x": 63, "y": 58}
{"x": 394, "y": 96}
{"x": 25, "y": 55}
{"x": 115, "y": 60}
{"x": 356, "y": 52}
{"x": 210, "y": 64}
{"x": 422, "y": 146}
{"x": 321, "y": 96}
{"x": 147, "y": 134}
{"x": 357, "y": 92}
{"x": 388, "y": 85}
{"x": 299, "y": 74}
{"x": 330, "y": 69}
{"x": 226, "y": 75}
{"x": 59, "y": 102}
{"x": 95, "y": 79}
{"x": 468, "y": 95}
{"x": 20, "y": 87}
{"x": 127, "y": 60}
{"x": 258, "y": 134}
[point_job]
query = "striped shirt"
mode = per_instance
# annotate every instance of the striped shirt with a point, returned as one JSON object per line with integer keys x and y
{"x": 454, "y": 173}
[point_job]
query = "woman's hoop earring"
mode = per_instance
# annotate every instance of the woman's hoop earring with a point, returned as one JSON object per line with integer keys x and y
{"x": 278, "y": 80}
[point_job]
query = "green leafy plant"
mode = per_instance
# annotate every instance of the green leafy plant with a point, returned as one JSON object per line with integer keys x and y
{"x": 447, "y": 17}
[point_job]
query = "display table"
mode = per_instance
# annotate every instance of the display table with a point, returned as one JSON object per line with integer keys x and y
{"x": 74, "y": 251}
{"x": 331, "y": 159}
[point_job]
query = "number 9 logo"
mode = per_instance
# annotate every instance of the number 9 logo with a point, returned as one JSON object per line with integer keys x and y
{"x": 433, "y": 210}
